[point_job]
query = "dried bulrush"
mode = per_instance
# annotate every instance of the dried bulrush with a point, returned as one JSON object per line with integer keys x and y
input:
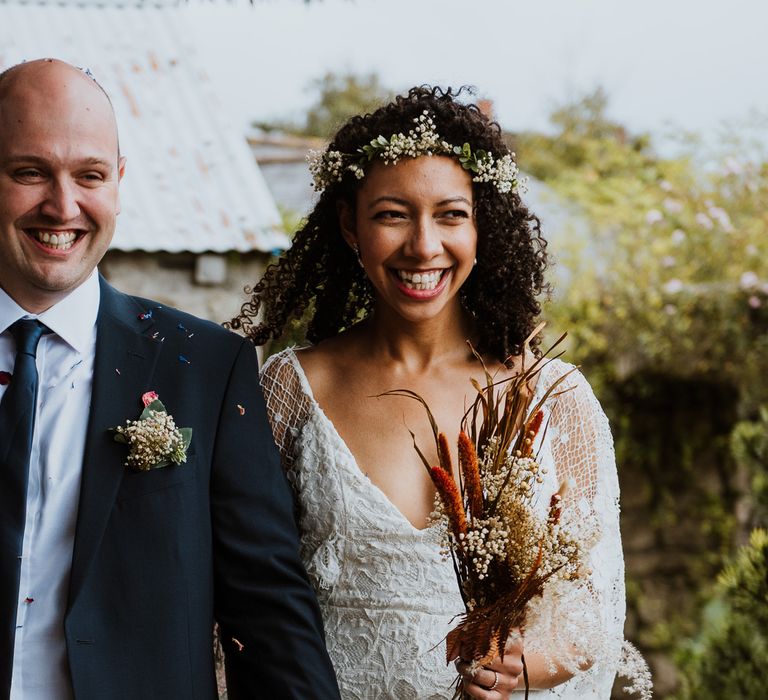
{"x": 470, "y": 472}
{"x": 450, "y": 496}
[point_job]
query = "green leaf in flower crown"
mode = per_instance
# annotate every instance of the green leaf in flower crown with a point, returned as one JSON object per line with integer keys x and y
{"x": 466, "y": 150}
{"x": 381, "y": 140}
{"x": 155, "y": 407}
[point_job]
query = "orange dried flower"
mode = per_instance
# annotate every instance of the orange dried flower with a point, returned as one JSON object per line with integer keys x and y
{"x": 531, "y": 432}
{"x": 451, "y": 498}
{"x": 470, "y": 470}
{"x": 444, "y": 453}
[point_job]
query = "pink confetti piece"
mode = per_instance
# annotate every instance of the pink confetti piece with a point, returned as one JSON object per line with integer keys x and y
{"x": 241, "y": 409}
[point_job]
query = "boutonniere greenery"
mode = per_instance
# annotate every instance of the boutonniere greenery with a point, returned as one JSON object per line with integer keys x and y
{"x": 153, "y": 440}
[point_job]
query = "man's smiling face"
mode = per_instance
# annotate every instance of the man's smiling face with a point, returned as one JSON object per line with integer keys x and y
{"x": 59, "y": 176}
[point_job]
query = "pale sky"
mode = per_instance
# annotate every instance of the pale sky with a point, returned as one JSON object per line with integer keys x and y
{"x": 695, "y": 64}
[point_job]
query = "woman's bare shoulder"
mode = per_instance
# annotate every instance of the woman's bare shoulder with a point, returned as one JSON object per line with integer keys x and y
{"x": 331, "y": 357}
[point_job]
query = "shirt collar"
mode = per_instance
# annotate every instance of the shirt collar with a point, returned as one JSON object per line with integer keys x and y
{"x": 72, "y": 319}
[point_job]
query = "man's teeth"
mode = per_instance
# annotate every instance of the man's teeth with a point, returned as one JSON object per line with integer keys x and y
{"x": 420, "y": 280}
{"x": 58, "y": 241}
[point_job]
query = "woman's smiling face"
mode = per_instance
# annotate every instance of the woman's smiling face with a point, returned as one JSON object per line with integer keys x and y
{"x": 415, "y": 229}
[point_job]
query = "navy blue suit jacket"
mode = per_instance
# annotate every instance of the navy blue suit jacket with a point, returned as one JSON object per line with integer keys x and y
{"x": 159, "y": 555}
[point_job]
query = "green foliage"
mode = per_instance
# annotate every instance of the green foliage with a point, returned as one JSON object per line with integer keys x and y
{"x": 666, "y": 306}
{"x": 673, "y": 277}
{"x": 339, "y": 97}
{"x": 749, "y": 444}
{"x": 584, "y": 140}
{"x": 290, "y": 220}
{"x": 730, "y": 657}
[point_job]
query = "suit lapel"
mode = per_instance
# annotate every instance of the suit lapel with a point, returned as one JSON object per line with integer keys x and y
{"x": 123, "y": 368}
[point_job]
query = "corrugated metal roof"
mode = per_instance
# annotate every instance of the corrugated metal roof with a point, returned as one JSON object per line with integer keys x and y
{"x": 191, "y": 182}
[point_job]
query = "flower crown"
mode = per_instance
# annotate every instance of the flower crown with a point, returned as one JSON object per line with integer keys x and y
{"x": 328, "y": 167}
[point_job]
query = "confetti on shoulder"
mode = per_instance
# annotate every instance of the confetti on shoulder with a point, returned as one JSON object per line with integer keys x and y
{"x": 184, "y": 360}
{"x": 145, "y": 316}
{"x": 241, "y": 409}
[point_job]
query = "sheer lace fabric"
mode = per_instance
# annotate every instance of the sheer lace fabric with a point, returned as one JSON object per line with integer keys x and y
{"x": 388, "y": 598}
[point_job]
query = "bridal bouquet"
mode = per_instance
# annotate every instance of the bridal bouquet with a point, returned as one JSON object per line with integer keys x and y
{"x": 504, "y": 550}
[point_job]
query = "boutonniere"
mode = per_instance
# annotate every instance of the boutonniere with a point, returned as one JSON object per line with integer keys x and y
{"x": 153, "y": 440}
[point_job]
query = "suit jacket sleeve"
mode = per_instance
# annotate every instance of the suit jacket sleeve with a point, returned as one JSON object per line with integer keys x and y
{"x": 270, "y": 623}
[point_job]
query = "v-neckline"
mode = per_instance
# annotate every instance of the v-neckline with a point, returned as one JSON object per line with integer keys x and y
{"x": 351, "y": 460}
{"x": 354, "y": 466}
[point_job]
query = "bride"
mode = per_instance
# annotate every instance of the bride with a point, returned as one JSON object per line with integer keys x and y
{"x": 413, "y": 248}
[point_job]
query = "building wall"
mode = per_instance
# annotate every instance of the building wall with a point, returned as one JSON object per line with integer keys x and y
{"x": 170, "y": 278}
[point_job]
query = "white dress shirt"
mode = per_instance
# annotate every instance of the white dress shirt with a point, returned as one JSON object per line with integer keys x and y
{"x": 65, "y": 368}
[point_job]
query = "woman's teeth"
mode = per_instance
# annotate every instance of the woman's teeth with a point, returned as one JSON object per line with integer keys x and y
{"x": 58, "y": 241}
{"x": 421, "y": 281}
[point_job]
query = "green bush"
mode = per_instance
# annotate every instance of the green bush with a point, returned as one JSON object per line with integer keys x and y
{"x": 672, "y": 277}
{"x": 729, "y": 660}
{"x": 749, "y": 444}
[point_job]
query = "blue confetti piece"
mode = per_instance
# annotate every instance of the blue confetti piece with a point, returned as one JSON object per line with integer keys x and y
{"x": 184, "y": 359}
{"x": 145, "y": 316}
{"x": 181, "y": 327}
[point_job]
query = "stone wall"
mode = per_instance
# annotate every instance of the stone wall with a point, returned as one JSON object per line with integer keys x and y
{"x": 678, "y": 499}
{"x": 178, "y": 279}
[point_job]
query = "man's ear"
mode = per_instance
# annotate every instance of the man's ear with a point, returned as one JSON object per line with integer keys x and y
{"x": 347, "y": 223}
{"x": 120, "y": 172}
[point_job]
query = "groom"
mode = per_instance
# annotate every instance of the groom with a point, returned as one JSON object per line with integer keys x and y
{"x": 111, "y": 575}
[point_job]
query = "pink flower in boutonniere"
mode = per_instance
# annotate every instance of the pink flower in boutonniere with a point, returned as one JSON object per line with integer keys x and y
{"x": 153, "y": 440}
{"x": 149, "y": 397}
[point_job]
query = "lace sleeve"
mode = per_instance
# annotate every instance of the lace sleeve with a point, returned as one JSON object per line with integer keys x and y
{"x": 582, "y": 446}
{"x": 287, "y": 402}
{"x": 592, "y": 619}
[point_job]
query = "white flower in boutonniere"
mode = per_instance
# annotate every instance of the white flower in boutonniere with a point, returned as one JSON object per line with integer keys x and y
{"x": 153, "y": 440}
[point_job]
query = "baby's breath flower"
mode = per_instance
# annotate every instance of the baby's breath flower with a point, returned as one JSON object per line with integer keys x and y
{"x": 152, "y": 441}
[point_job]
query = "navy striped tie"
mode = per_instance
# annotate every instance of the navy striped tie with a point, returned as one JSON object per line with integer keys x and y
{"x": 17, "y": 422}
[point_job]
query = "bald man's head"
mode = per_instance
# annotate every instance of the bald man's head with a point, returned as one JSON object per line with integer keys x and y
{"x": 59, "y": 180}
{"x": 30, "y": 70}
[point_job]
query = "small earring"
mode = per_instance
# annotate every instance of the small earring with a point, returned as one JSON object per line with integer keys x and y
{"x": 358, "y": 256}
{"x": 474, "y": 262}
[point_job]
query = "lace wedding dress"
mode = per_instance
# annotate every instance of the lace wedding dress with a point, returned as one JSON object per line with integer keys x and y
{"x": 388, "y": 598}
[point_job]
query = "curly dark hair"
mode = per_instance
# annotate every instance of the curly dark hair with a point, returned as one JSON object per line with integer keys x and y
{"x": 320, "y": 278}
